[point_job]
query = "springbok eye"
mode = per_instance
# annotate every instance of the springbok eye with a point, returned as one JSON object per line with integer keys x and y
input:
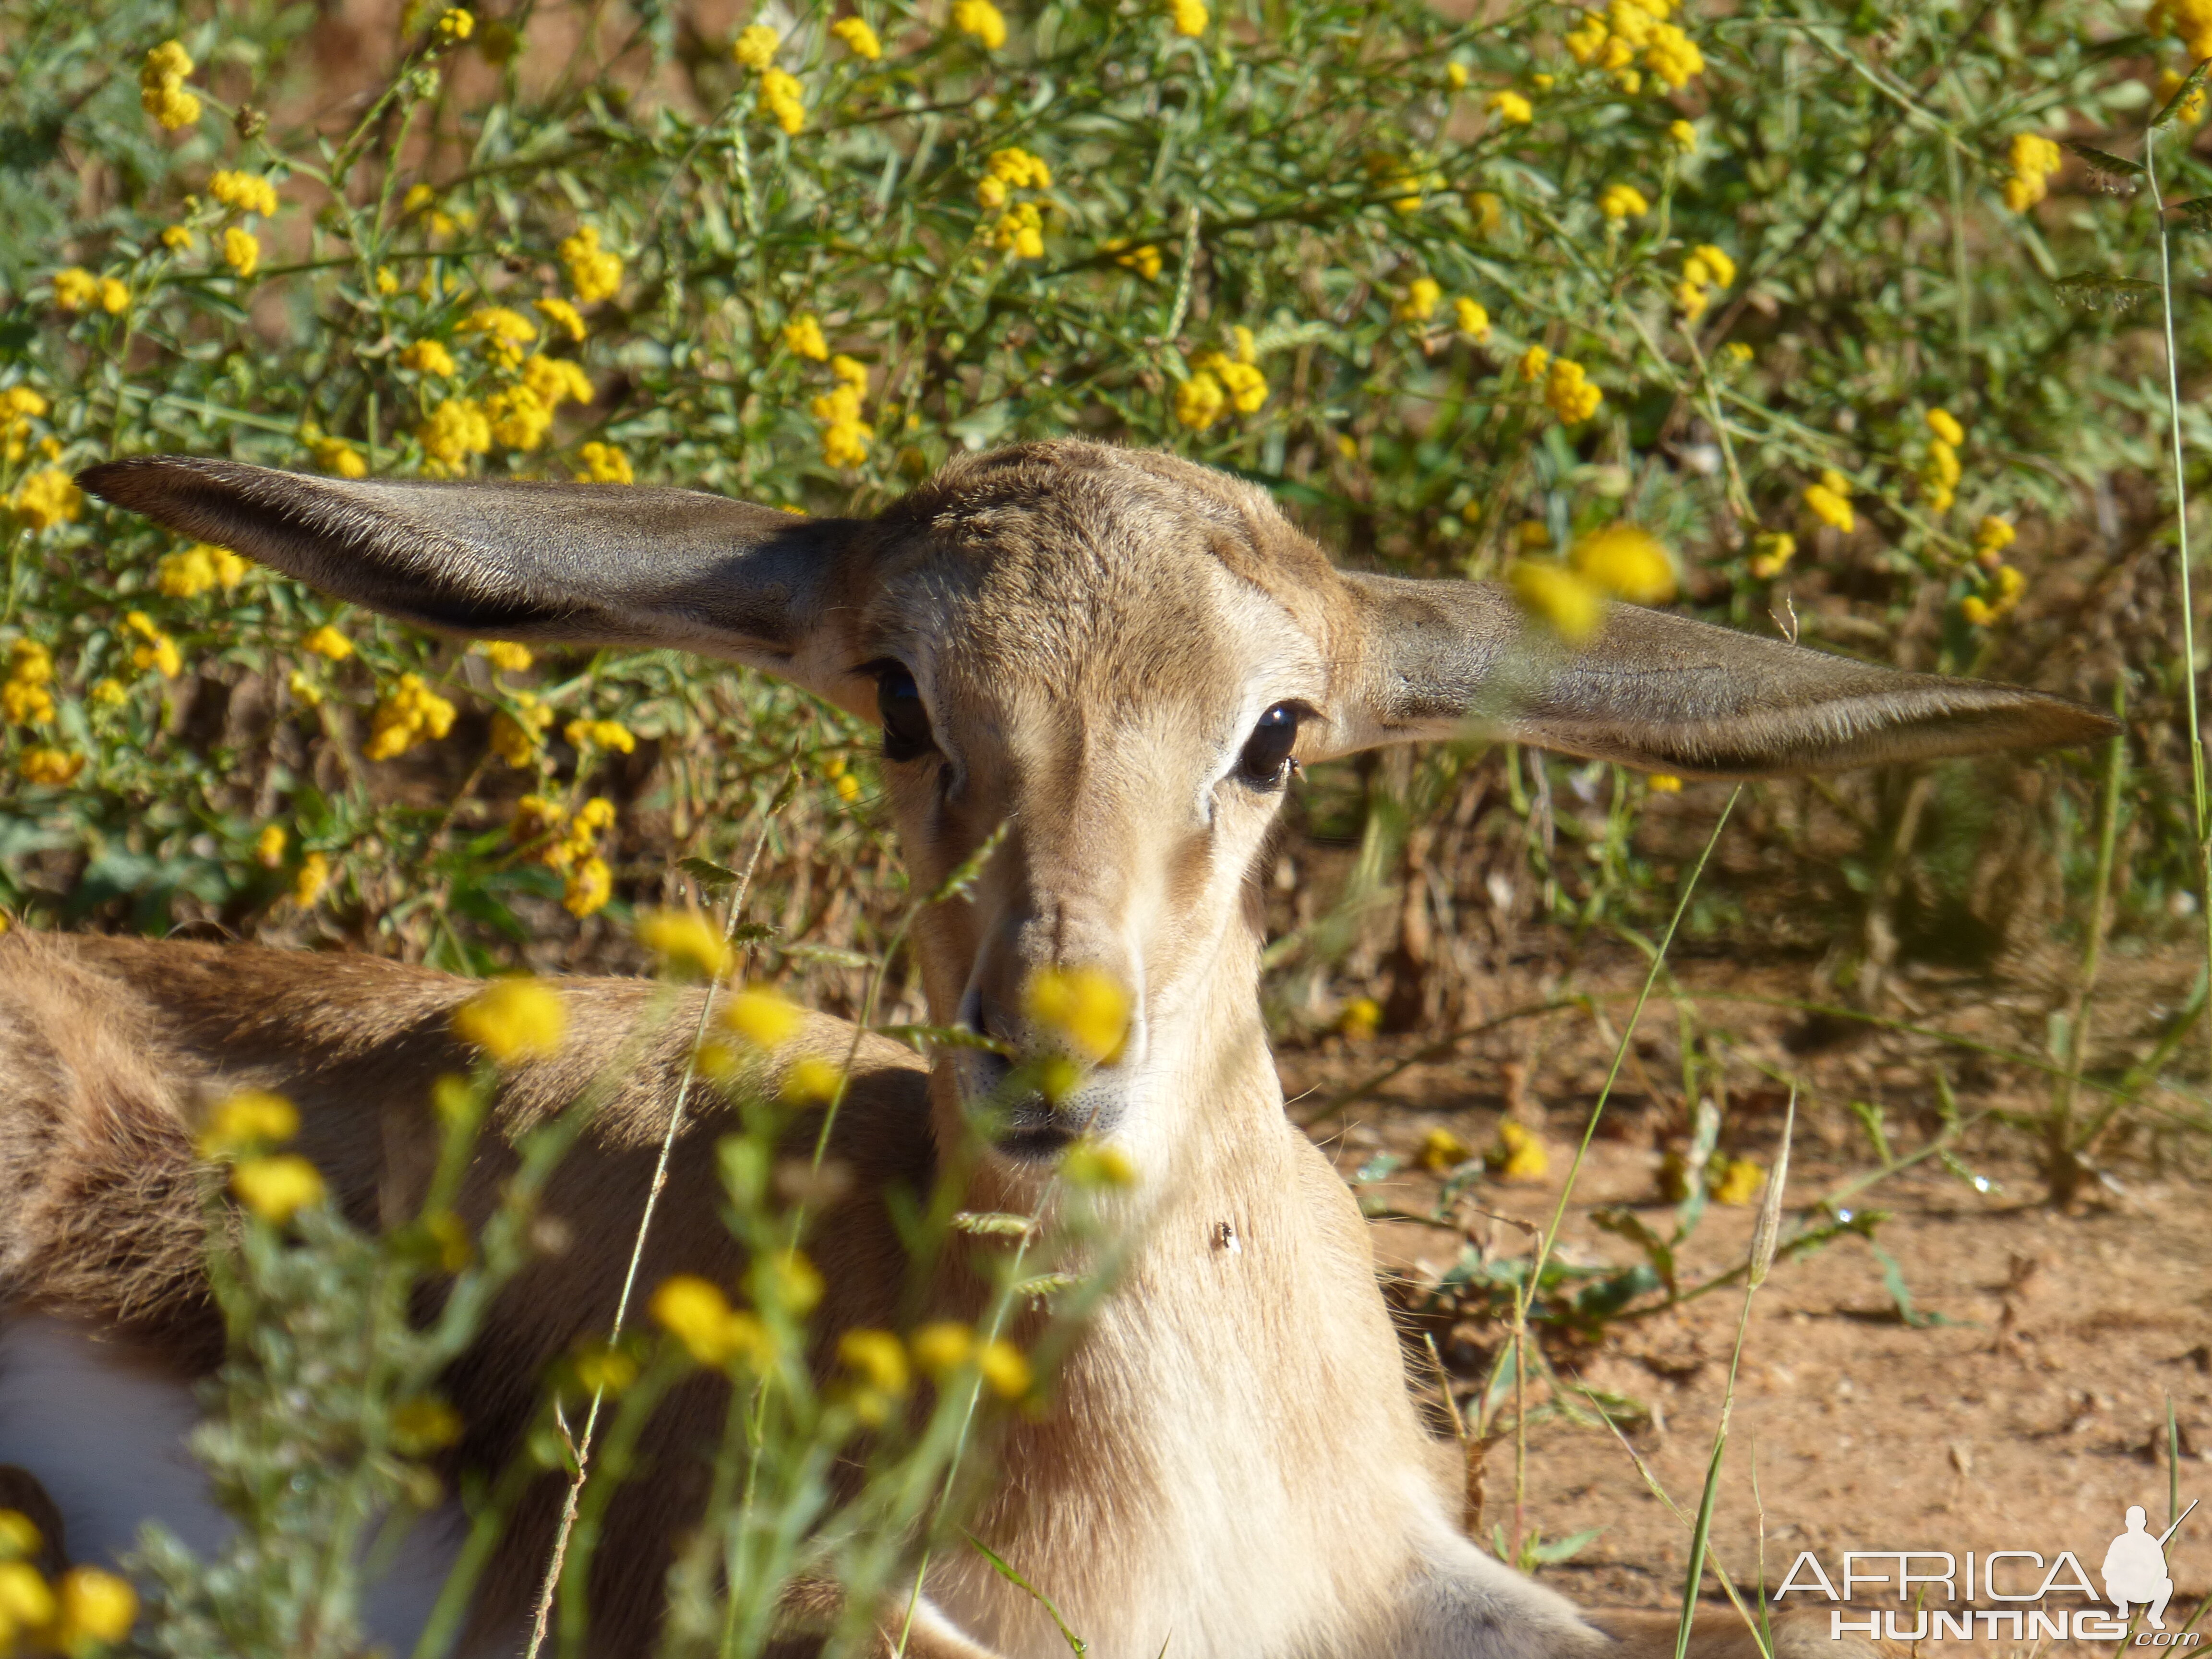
{"x": 1267, "y": 750}
{"x": 907, "y": 735}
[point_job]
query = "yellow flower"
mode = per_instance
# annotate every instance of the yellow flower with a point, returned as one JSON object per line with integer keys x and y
{"x": 563, "y": 315}
{"x": 1556, "y": 597}
{"x": 802, "y": 336}
{"x": 268, "y": 846}
{"x": 810, "y": 1079}
{"x": 515, "y": 736}
{"x": 1456, "y": 76}
{"x": 1623, "y": 202}
{"x": 1198, "y": 401}
{"x": 685, "y": 942}
{"x": 595, "y": 273}
{"x": 1683, "y": 137}
{"x": 859, "y": 39}
{"x": 1586, "y": 39}
{"x": 156, "y": 650}
{"x": 1736, "y": 1182}
{"x": 47, "y": 498}
{"x": 514, "y": 1020}
{"x": 1442, "y": 1150}
{"x": 245, "y": 192}
{"x": 1993, "y": 535}
{"x": 1975, "y": 612}
{"x": 1533, "y": 363}
{"x": 241, "y": 250}
{"x": 336, "y": 455}
{"x": 1772, "y": 551}
{"x": 982, "y": 20}
{"x": 942, "y": 1348}
{"x": 520, "y": 418}
{"x": 588, "y": 886}
{"x": 506, "y": 656}
{"x": 1709, "y": 266}
{"x": 26, "y": 704}
{"x": 1626, "y": 561}
{"x": 780, "y": 99}
{"x": 1190, "y": 16}
{"x": 251, "y": 1121}
{"x": 1487, "y": 212}
{"x": 20, "y": 1537}
{"x": 327, "y": 641}
{"x": 1945, "y": 427}
{"x": 1092, "y": 1167}
{"x": 161, "y": 86}
{"x": 1691, "y": 301}
{"x": 1831, "y": 501}
{"x": 456, "y": 429}
{"x": 1419, "y": 301}
{"x": 762, "y": 1018}
{"x": 387, "y": 280}
{"x": 277, "y": 1189}
{"x": 455, "y": 26}
{"x": 1736, "y": 352}
{"x": 27, "y": 1606}
{"x": 1020, "y": 231}
{"x": 424, "y": 1423}
{"x": 404, "y": 716}
{"x": 755, "y": 47}
{"x": 878, "y": 1357}
{"x": 312, "y": 881}
{"x": 97, "y": 1608}
{"x": 696, "y": 1313}
{"x": 1516, "y": 1155}
{"x": 1145, "y": 260}
{"x": 600, "y": 734}
{"x": 603, "y": 464}
{"x": 505, "y": 331}
{"x": 75, "y": 288}
{"x": 2169, "y": 84}
{"x": 114, "y": 296}
{"x": 1246, "y": 386}
{"x": 1005, "y": 1370}
{"x": 55, "y": 767}
{"x": 602, "y": 1370}
{"x": 1570, "y": 392}
{"x": 428, "y": 357}
{"x": 1087, "y": 1008}
{"x": 1673, "y": 58}
{"x": 1663, "y": 783}
{"x": 1510, "y": 107}
{"x": 187, "y": 575}
{"x": 1471, "y": 319}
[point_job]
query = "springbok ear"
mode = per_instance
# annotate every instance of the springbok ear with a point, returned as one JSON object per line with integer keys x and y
{"x": 1665, "y": 693}
{"x": 586, "y": 564}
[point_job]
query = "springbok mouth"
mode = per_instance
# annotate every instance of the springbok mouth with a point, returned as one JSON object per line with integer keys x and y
{"x": 1020, "y": 1123}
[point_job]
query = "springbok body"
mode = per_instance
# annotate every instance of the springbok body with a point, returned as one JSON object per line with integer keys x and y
{"x": 1116, "y": 654}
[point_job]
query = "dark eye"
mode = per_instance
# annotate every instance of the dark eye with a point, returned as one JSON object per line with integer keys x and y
{"x": 1267, "y": 750}
{"x": 906, "y": 722}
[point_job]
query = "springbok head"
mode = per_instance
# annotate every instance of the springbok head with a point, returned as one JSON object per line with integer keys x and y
{"x": 1120, "y": 656}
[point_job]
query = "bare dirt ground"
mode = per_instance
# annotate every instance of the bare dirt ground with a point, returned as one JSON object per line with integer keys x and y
{"x": 2027, "y": 1413}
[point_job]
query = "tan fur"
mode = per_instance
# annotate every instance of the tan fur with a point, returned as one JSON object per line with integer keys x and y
{"x": 1232, "y": 1466}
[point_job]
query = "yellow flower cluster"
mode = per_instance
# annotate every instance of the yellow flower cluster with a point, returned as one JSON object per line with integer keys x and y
{"x": 1086, "y": 1009}
{"x": 241, "y": 250}
{"x": 981, "y": 20}
{"x": 1220, "y": 382}
{"x": 1770, "y": 553}
{"x": 1420, "y": 300}
{"x": 77, "y": 288}
{"x": 24, "y": 697}
{"x": 161, "y": 86}
{"x": 429, "y": 357}
{"x": 56, "y": 766}
{"x": 456, "y": 429}
{"x": 268, "y": 846}
{"x": 515, "y": 737}
{"x": 1570, "y": 391}
{"x": 696, "y": 1313}
{"x": 1619, "y": 202}
{"x": 802, "y": 338}
{"x": 2188, "y": 20}
{"x": 19, "y": 407}
{"x": 1613, "y": 39}
{"x": 611, "y": 735}
{"x": 455, "y": 26}
{"x": 2169, "y": 84}
{"x": 514, "y": 1020}
{"x": 1683, "y": 135}
{"x": 1706, "y": 268}
{"x": 404, "y": 716}
{"x": 685, "y": 942}
{"x": 1510, "y": 107}
{"x": 506, "y": 656}
{"x": 240, "y": 1131}
{"x": 1992, "y": 536}
{"x": 2004, "y": 587}
{"x": 1010, "y": 169}
{"x": 314, "y": 876}
{"x": 1831, "y": 501}
{"x": 783, "y": 100}
{"x": 602, "y": 464}
{"x": 246, "y": 192}
{"x": 188, "y": 574}
{"x": 1622, "y": 560}
{"x": 563, "y": 315}
{"x": 574, "y": 852}
{"x": 1939, "y": 473}
{"x": 85, "y": 1610}
{"x": 1471, "y": 319}
{"x": 334, "y": 454}
{"x": 859, "y": 39}
{"x": 46, "y": 498}
{"x": 594, "y": 272}
{"x": 1190, "y": 16}
{"x": 1020, "y": 231}
{"x": 1517, "y": 1154}
{"x": 327, "y": 641}
{"x": 1144, "y": 260}
{"x": 2034, "y": 159}
{"x": 845, "y": 436}
{"x": 503, "y": 333}
{"x": 154, "y": 650}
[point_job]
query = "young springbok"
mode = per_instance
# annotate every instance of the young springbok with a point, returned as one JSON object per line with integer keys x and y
{"x": 1118, "y": 655}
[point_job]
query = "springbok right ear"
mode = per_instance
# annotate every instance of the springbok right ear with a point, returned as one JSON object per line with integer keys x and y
{"x": 585, "y": 564}
{"x": 1665, "y": 693}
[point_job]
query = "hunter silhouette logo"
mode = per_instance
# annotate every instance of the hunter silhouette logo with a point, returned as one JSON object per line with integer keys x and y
{"x": 2135, "y": 1571}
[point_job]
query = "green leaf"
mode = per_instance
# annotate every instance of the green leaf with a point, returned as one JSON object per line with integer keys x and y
{"x": 964, "y": 877}
{"x": 2096, "y": 290}
{"x": 830, "y": 955}
{"x": 2188, "y": 89}
{"x": 997, "y": 1223}
{"x": 1075, "y": 1643}
{"x": 944, "y": 1037}
{"x": 711, "y": 877}
{"x": 2196, "y": 213}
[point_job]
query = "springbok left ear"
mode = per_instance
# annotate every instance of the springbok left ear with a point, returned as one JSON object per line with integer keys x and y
{"x": 1664, "y": 693}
